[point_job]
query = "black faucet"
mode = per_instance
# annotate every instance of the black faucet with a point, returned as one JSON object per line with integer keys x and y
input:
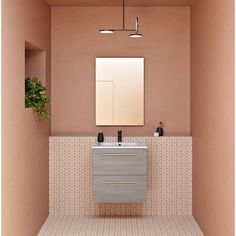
{"x": 119, "y": 136}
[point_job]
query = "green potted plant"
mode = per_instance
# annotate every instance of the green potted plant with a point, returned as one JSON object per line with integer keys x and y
{"x": 36, "y": 98}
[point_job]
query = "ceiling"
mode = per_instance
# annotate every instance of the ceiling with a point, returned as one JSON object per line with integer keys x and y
{"x": 100, "y": 3}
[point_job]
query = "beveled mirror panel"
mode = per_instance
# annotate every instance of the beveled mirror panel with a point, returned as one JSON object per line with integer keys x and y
{"x": 120, "y": 91}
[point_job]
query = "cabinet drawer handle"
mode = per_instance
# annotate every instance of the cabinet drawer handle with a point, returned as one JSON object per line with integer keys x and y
{"x": 119, "y": 154}
{"x": 120, "y": 183}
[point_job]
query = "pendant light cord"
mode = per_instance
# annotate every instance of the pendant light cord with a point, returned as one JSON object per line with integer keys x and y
{"x": 123, "y": 14}
{"x": 137, "y": 25}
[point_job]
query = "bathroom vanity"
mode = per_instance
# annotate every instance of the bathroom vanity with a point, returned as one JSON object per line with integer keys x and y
{"x": 119, "y": 172}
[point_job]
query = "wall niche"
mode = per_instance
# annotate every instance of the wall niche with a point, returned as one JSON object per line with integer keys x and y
{"x": 35, "y": 62}
{"x": 35, "y": 89}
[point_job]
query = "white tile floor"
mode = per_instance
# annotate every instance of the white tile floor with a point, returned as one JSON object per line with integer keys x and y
{"x": 120, "y": 226}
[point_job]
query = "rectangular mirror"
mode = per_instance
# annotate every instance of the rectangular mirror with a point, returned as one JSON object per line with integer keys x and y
{"x": 120, "y": 91}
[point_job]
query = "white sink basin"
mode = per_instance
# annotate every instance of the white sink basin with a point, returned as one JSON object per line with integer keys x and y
{"x": 120, "y": 145}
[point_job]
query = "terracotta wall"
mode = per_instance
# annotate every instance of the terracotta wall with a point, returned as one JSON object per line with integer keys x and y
{"x": 212, "y": 115}
{"x": 165, "y": 47}
{"x": 35, "y": 64}
{"x": 25, "y": 141}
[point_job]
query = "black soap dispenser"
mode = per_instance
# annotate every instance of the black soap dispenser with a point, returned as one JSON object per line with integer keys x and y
{"x": 100, "y": 138}
{"x": 160, "y": 129}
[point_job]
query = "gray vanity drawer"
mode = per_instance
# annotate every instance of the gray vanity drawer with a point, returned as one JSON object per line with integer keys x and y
{"x": 119, "y": 189}
{"x": 119, "y": 162}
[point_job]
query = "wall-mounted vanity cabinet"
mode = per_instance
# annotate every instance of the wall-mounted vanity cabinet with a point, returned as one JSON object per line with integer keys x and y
{"x": 119, "y": 173}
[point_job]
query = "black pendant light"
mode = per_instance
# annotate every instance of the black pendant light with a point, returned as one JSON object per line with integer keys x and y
{"x": 136, "y": 34}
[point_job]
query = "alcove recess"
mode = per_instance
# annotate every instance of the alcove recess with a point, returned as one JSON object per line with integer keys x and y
{"x": 35, "y": 62}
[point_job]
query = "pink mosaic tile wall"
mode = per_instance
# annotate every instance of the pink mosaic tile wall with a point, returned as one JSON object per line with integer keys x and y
{"x": 169, "y": 180}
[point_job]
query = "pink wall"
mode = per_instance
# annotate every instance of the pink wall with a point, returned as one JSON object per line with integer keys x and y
{"x": 35, "y": 64}
{"x": 165, "y": 47}
{"x": 212, "y": 115}
{"x": 25, "y": 141}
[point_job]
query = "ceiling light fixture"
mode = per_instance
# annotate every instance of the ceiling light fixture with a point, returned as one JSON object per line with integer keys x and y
{"x": 106, "y": 31}
{"x": 136, "y": 34}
